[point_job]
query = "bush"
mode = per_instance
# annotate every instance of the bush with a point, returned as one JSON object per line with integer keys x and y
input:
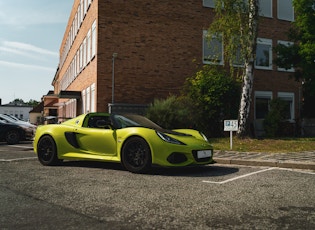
{"x": 171, "y": 113}
{"x": 274, "y": 118}
{"x": 216, "y": 96}
{"x": 208, "y": 98}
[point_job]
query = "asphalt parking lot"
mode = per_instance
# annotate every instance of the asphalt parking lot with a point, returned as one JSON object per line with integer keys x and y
{"x": 81, "y": 195}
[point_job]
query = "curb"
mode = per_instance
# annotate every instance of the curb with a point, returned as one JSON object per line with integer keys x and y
{"x": 269, "y": 163}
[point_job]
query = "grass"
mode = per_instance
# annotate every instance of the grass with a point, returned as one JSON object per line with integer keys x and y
{"x": 283, "y": 145}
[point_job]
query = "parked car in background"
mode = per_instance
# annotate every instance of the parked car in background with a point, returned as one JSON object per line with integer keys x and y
{"x": 13, "y": 131}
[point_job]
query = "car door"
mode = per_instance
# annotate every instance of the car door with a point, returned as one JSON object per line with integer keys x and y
{"x": 99, "y": 141}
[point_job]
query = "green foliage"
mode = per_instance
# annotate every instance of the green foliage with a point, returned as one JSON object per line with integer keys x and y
{"x": 21, "y": 102}
{"x": 237, "y": 21}
{"x": 301, "y": 55}
{"x": 209, "y": 97}
{"x": 273, "y": 119}
{"x": 173, "y": 112}
{"x": 216, "y": 96}
{"x": 234, "y": 21}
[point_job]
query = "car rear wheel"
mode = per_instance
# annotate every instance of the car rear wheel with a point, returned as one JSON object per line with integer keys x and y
{"x": 136, "y": 155}
{"x": 12, "y": 137}
{"x": 47, "y": 151}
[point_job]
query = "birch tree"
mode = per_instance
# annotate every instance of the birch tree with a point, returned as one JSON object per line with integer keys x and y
{"x": 237, "y": 22}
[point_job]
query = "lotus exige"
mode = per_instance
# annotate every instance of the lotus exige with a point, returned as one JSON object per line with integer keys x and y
{"x": 135, "y": 141}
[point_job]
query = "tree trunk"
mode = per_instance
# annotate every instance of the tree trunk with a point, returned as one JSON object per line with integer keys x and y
{"x": 248, "y": 77}
{"x": 244, "y": 110}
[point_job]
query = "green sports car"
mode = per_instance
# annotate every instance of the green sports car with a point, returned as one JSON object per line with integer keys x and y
{"x": 135, "y": 141}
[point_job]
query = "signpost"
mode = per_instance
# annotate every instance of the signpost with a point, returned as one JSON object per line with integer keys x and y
{"x": 231, "y": 125}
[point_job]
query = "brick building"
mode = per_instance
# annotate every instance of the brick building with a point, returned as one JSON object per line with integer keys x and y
{"x": 150, "y": 47}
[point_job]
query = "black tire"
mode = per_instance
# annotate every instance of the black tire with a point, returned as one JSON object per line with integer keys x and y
{"x": 136, "y": 155}
{"x": 47, "y": 151}
{"x": 12, "y": 137}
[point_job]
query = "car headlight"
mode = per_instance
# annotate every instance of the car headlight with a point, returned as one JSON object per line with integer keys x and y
{"x": 204, "y": 136}
{"x": 169, "y": 139}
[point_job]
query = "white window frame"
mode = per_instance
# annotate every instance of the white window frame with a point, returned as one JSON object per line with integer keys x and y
{"x": 84, "y": 101}
{"x": 287, "y": 96}
{"x": 88, "y": 46}
{"x": 81, "y": 57}
{"x": 265, "y": 8}
{"x": 285, "y": 10}
{"x": 78, "y": 17}
{"x": 207, "y": 49}
{"x": 286, "y": 43}
{"x": 88, "y": 99}
{"x": 268, "y": 42}
{"x": 93, "y": 40}
{"x": 81, "y": 11}
{"x": 84, "y": 55}
{"x": 261, "y": 94}
{"x": 85, "y": 7}
{"x": 93, "y": 101}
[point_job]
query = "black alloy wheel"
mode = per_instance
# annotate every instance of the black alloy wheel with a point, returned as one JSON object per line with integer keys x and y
{"x": 12, "y": 137}
{"x": 47, "y": 151}
{"x": 136, "y": 155}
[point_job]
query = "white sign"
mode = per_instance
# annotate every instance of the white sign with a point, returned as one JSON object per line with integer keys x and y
{"x": 230, "y": 125}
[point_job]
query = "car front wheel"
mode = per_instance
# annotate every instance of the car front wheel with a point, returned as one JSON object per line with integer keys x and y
{"x": 136, "y": 155}
{"x": 47, "y": 151}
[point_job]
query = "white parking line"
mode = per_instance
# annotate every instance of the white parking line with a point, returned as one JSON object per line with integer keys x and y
{"x": 238, "y": 177}
{"x": 22, "y": 147}
{"x": 297, "y": 170}
{"x": 17, "y": 159}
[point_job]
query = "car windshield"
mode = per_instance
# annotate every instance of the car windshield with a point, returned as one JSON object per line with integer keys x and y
{"x": 133, "y": 120}
{"x": 6, "y": 118}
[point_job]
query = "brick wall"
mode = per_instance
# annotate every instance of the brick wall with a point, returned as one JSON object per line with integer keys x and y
{"x": 159, "y": 45}
{"x": 156, "y": 42}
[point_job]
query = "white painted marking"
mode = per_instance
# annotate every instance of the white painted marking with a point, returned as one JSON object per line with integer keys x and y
{"x": 238, "y": 177}
{"x": 17, "y": 159}
{"x": 22, "y": 147}
{"x": 297, "y": 170}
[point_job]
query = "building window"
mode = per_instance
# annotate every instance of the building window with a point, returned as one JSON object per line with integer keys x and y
{"x": 239, "y": 60}
{"x": 89, "y": 99}
{"x": 81, "y": 11}
{"x": 264, "y": 54}
{"x": 81, "y": 57}
{"x": 208, "y": 3}
{"x": 288, "y": 99}
{"x": 285, "y": 10}
{"x": 85, "y": 6}
{"x": 84, "y": 101}
{"x": 84, "y": 48}
{"x": 88, "y": 48}
{"x": 212, "y": 49}
{"x": 262, "y": 103}
{"x": 93, "y": 98}
{"x": 93, "y": 39}
{"x": 78, "y": 61}
{"x": 285, "y": 43}
{"x": 265, "y": 8}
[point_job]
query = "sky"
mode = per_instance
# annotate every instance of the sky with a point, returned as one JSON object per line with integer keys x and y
{"x": 31, "y": 32}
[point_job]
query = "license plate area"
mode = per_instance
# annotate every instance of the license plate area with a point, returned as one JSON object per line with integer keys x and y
{"x": 204, "y": 154}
